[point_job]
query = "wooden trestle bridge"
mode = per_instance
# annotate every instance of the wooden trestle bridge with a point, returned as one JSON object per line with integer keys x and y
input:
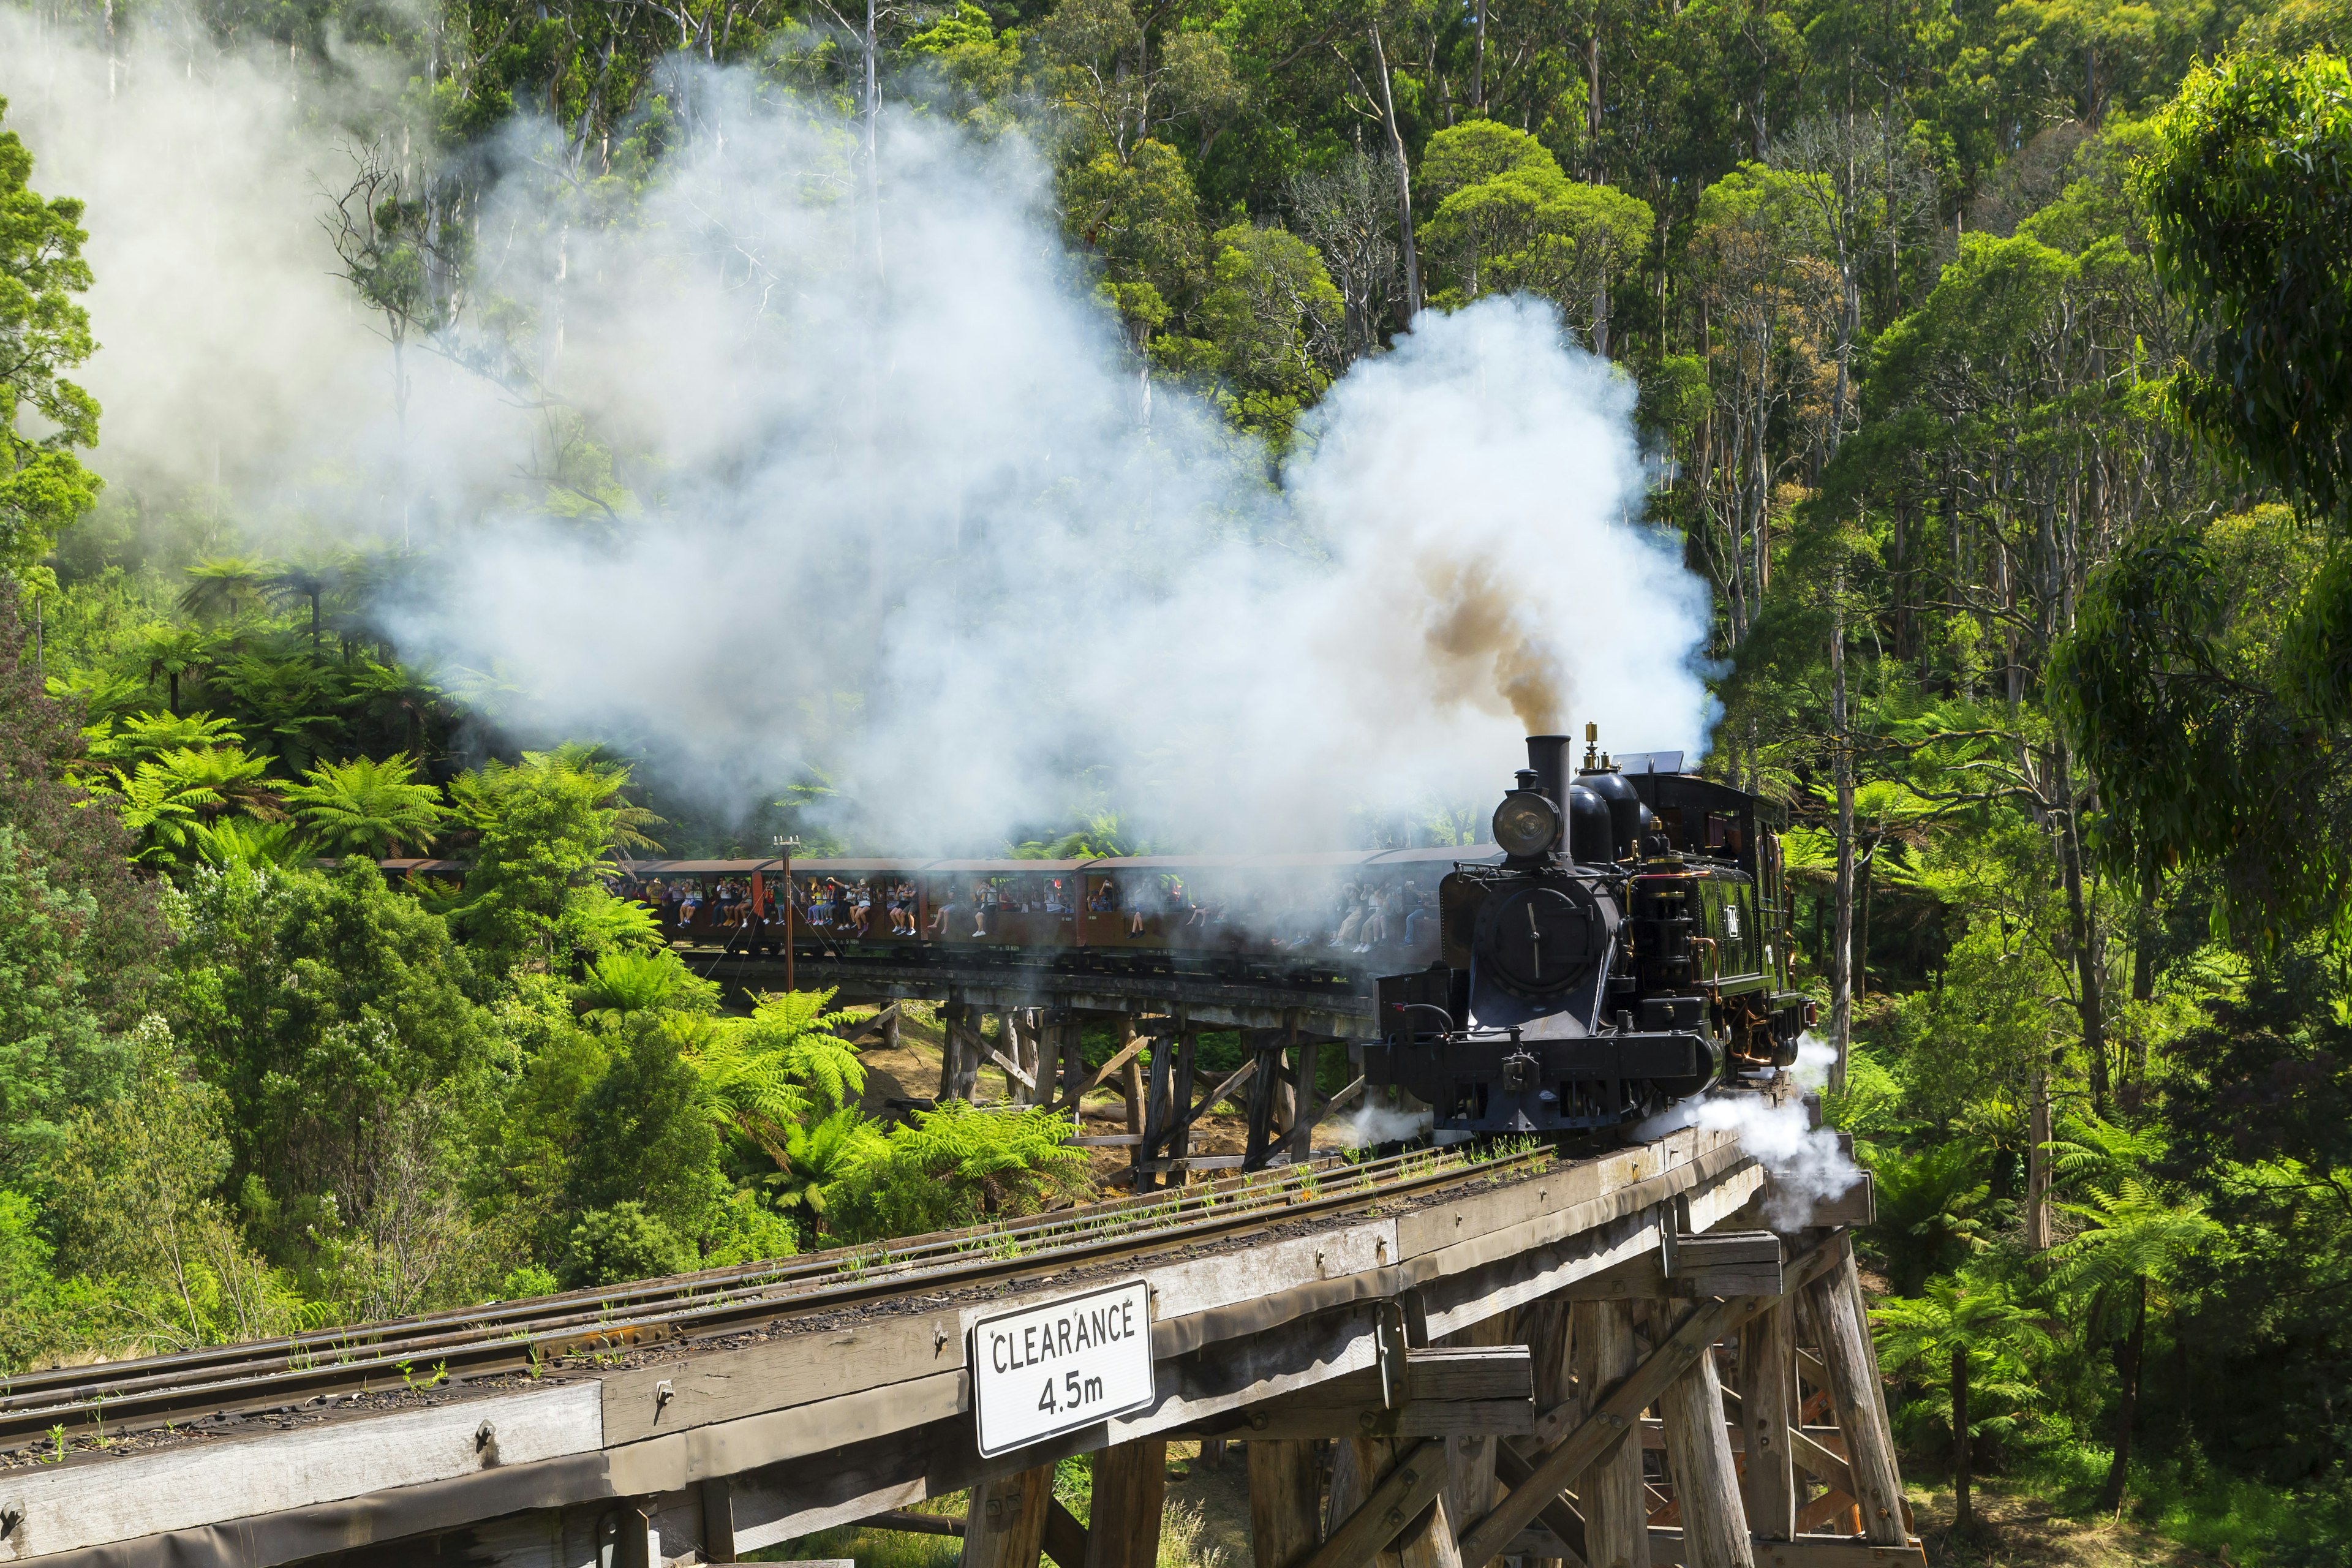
{"x": 1442, "y": 1357}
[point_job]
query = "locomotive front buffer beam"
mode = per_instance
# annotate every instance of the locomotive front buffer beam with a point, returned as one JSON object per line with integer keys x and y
{"x": 1489, "y": 1085}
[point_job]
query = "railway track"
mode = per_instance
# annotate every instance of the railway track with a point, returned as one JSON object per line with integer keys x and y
{"x": 527, "y": 1337}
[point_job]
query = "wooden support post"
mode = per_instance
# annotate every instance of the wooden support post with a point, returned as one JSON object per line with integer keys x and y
{"x": 1004, "y": 1523}
{"x": 1707, "y": 1484}
{"x": 1180, "y": 1104}
{"x": 718, "y": 1521}
{"x": 1356, "y": 1466}
{"x": 1767, "y": 1384}
{"x": 1285, "y": 1497}
{"x": 1265, "y": 1085}
{"x": 1833, "y": 1302}
{"x": 1074, "y": 1068}
{"x": 950, "y": 1041}
{"x": 967, "y": 1061}
{"x": 1616, "y": 1522}
{"x": 1156, "y": 1113}
{"x": 1130, "y": 1491}
{"x": 1017, "y": 1051}
{"x": 890, "y": 1027}
{"x": 1065, "y": 1538}
{"x": 1045, "y": 1056}
{"x": 1470, "y": 1460}
{"x": 1396, "y": 1497}
{"x": 1310, "y": 1107}
{"x": 634, "y": 1544}
{"x": 1130, "y": 1080}
{"x": 1543, "y": 1326}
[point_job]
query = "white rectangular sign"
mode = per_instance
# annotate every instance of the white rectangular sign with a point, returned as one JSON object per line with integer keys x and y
{"x": 1040, "y": 1370}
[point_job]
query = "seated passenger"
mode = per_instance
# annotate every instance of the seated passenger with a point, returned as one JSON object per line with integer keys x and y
{"x": 1417, "y": 917}
{"x": 864, "y": 913}
{"x": 1375, "y": 928}
{"x": 1351, "y": 922}
{"x": 942, "y": 915}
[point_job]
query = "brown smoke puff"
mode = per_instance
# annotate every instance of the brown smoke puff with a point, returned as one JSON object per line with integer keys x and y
{"x": 1477, "y": 624}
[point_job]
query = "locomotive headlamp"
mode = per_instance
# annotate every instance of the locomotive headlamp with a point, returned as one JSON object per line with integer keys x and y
{"x": 1526, "y": 825}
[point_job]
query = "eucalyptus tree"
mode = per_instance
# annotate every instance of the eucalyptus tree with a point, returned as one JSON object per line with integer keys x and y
{"x": 44, "y": 333}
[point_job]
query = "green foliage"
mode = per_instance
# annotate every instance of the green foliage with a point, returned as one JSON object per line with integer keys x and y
{"x": 618, "y": 1244}
{"x": 169, "y": 801}
{"x": 43, "y": 334}
{"x": 546, "y": 828}
{"x": 621, "y": 985}
{"x": 1276, "y": 318}
{"x": 2173, "y": 684}
{"x": 957, "y": 1166}
{"x": 1953, "y": 1321}
{"x": 335, "y": 1015}
{"x": 53, "y": 1050}
{"x": 1934, "y": 1209}
{"x": 1508, "y": 219}
{"x": 2248, "y": 196}
{"x": 363, "y": 807}
{"x": 648, "y": 1136}
{"x": 133, "y": 1199}
{"x": 819, "y": 1156}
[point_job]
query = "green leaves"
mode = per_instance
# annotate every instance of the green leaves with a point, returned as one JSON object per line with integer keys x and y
{"x": 367, "y": 807}
{"x": 2250, "y": 197}
{"x": 43, "y": 334}
{"x": 621, "y": 985}
{"x": 957, "y": 1166}
{"x": 545, "y": 827}
{"x": 1507, "y": 219}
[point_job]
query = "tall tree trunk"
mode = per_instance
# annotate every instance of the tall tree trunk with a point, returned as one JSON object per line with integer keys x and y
{"x": 2143, "y": 980}
{"x": 2111, "y": 1496}
{"x": 2082, "y": 933}
{"x": 1842, "y": 760}
{"x": 1593, "y": 169}
{"x": 1865, "y": 868}
{"x": 1478, "y": 65}
{"x": 1962, "y": 1515}
{"x": 1404, "y": 184}
{"x": 2037, "y": 1166}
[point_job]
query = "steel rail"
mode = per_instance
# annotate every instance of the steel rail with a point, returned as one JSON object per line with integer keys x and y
{"x": 168, "y": 1389}
{"x": 1263, "y": 1186}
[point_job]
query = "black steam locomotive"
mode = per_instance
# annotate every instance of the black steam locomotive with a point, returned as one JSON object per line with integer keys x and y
{"x": 1631, "y": 950}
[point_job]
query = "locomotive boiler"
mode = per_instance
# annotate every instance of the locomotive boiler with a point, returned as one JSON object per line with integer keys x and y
{"x": 1631, "y": 949}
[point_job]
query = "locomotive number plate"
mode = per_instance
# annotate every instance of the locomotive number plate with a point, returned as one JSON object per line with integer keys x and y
{"x": 1040, "y": 1370}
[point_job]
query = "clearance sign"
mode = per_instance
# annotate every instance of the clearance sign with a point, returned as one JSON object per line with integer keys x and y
{"x": 1038, "y": 1372}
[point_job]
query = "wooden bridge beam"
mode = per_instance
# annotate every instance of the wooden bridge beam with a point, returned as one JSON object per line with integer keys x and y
{"x": 1834, "y": 1305}
{"x": 1706, "y": 1483}
{"x": 1130, "y": 1490}
{"x": 1005, "y": 1522}
{"x": 1286, "y": 1498}
{"x": 1616, "y": 1522}
{"x": 1767, "y": 1382}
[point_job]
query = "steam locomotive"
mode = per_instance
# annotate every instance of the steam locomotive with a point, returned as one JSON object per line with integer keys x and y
{"x": 1631, "y": 949}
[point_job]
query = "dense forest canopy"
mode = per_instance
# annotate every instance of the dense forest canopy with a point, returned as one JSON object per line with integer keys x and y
{"x": 1941, "y": 414}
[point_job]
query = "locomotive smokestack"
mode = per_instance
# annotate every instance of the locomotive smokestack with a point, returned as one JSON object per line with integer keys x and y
{"x": 1549, "y": 756}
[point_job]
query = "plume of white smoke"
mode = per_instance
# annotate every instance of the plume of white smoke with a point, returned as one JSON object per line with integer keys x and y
{"x": 909, "y": 524}
{"x": 1371, "y": 1124}
{"x": 1806, "y": 1163}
